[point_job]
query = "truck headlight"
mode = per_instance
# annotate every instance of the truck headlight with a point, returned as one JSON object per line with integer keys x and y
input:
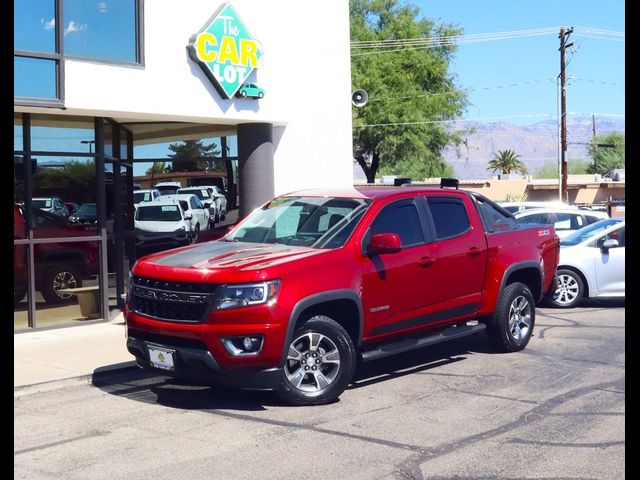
{"x": 245, "y": 294}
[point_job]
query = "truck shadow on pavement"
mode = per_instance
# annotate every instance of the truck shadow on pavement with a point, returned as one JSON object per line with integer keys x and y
{"x": 154, "y": 388}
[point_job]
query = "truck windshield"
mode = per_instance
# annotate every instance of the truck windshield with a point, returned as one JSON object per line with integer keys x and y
{"x": 318, "y": 222}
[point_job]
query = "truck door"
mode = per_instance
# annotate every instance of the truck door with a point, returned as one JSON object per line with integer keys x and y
{"x": 460, "y": 254}
{"x": 396, "y": 286}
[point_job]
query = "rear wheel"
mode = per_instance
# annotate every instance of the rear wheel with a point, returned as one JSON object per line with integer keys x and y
{"x": 512, "y": 324}
{"x": 59, "y": 277}
{"x": 320, "y": 363}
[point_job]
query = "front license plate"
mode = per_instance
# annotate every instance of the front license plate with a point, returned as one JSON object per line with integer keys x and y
{"x": 162, "y": 358}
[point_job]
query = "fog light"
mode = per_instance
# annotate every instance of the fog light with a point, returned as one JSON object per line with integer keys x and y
{"x": 243, "y": 345}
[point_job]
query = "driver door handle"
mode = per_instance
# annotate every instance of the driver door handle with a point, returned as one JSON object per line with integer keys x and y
{"x": 426, "y": 261}
{"x": 473, "y": 251}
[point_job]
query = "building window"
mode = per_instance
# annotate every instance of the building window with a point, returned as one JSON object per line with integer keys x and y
{"x": 34, "y": 24}
{"x": 106, "y": 31}
{"x": 48, "y": 31}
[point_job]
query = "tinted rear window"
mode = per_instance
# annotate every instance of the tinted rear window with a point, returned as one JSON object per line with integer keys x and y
{"x": 449, "y": 216}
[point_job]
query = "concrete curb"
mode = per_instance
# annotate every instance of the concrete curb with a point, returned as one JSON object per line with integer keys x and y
{"x": 50, "y": 385}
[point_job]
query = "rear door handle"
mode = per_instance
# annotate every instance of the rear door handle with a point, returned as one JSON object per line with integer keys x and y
{"x": 473, "y": 251}
{"x": 426, "y": 261}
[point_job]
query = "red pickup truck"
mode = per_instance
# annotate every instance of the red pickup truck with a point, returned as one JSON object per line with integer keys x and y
{"x": 314, "y": 280}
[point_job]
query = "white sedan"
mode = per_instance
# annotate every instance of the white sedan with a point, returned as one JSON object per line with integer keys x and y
{"x": 564, "y": 220}
{"x": 591, "y": 264}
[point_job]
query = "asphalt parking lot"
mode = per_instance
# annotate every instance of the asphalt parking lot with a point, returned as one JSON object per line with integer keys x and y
{"x": 454, "y": 410}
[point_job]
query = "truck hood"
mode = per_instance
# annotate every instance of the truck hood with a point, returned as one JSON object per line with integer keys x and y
{"x": 221, "y": 255}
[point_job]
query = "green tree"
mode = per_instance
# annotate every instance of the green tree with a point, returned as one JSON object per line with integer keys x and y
{"x": 407, "y": 88}
{"x": 606, "y": 158}
{"x": 193, "y": 156}
{"x": 574, "y": 167}
{"x": 157, "y": 168}
{"x": 507, "y": 161}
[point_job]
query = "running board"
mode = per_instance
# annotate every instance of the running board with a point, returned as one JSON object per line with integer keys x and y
{"x": 407, "y": 344}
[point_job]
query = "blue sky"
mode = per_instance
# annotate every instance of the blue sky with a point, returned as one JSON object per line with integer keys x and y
{"x": 519, "y": 60}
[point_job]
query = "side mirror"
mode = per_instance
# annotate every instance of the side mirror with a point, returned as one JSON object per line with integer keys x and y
{"x": 609, "y": 243}
{"x": 384, "y": 243}
{"x": 188, "y": 216}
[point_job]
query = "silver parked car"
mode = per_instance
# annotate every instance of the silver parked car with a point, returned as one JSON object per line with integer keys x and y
{"x": 591, "y": 263}
{"x": 564, "y": 220}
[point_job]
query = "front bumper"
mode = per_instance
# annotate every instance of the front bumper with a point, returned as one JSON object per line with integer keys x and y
{"x": 195, "y": 362}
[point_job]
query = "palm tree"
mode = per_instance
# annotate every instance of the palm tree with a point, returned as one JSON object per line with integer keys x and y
{"x": 507, "y": 161}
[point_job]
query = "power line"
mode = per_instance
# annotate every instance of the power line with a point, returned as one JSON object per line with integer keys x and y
{"x": 395, "y": 45}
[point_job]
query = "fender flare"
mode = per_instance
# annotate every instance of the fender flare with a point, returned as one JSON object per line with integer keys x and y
{"x": 521, "y": 266}
{"x": 316, "y": 299}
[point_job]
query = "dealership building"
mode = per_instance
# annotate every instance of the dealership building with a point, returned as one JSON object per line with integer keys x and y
{"x": 105, "y": 91}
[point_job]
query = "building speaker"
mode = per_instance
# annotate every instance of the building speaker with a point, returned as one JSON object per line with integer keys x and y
{"x": 359, "y": 98}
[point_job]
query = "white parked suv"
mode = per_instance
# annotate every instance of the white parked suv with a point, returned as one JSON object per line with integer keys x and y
{"x": 194, "y": 211}
{"x": 168, "y": 188}
{"x": 565, "y": 220}
{"x": 145, "y": 196}
{"x": 204, "y": 195}
{"x": 162, "y": 223}
{"x": 592, "y": 262}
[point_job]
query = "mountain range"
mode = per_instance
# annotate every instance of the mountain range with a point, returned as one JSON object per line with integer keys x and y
{"x": 537, "y": 144}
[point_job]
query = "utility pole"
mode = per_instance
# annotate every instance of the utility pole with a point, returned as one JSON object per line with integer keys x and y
{"x": 564, "y": 36}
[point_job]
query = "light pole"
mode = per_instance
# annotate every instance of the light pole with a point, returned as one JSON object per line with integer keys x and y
{"x": 89, "y": 142}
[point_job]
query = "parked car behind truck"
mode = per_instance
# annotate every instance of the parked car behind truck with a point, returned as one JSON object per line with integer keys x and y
{"x": 295, "y": 293}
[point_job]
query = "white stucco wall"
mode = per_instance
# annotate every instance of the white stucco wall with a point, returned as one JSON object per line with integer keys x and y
{"x": 305, "y": 73}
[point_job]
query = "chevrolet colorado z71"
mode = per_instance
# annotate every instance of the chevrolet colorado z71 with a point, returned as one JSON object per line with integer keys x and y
{"x": 312, "y": 281}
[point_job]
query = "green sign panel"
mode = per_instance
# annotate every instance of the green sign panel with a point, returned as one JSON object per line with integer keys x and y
{"x": 226, "y": 51}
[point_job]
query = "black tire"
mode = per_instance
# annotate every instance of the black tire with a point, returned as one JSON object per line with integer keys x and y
{"x": 56, "y": 277}
{"x": 243, "y": 94}
{"x": 194, "y": 235}
{"x": 569, "y": 290}
{"x": 333, "y": 341}
{"x": 512, "y": 324}
{"x": 260, "y": 95}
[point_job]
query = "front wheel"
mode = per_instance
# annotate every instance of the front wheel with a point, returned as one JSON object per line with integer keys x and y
{"x": 320, "y": 363}
{"x": 569, "y": 289}
{"x": 512, "y": 324}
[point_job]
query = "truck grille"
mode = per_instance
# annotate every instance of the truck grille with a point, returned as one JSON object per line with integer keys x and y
{"x": 171, "y": 301}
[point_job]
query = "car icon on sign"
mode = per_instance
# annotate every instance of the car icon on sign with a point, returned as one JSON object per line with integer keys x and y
{"x": 250, "y": 90}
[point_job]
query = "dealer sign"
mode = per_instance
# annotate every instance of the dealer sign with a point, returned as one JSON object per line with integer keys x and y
{"x": 226, "y": 51}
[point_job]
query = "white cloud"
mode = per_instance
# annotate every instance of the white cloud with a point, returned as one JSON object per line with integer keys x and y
{"x": 75, "y": 27}
{"x": 102, "y": 7}
{"x": 48, "y": 25}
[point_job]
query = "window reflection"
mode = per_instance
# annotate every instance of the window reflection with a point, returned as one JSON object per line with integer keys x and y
{"x": 62, "y": 134}
{"x": 66, "y": 282}
{"x": 34, "y": 78}
{"x": 34, "y": 25}
{"x": 64, "y": 197}
{"x": 101, "y": 30}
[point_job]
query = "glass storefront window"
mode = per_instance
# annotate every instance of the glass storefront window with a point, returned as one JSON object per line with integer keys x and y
{"x": 34, "y": 78}
{"x": 19, "y": 230}
{"x": 20, "y": 290}
{"x": 61, "y": 269}
{"x": 101, "y": 30}
{"x": 17, "y": 132}
{"x": 34, "y": 25}
{"x": 64, "y": 197}
{"x": 62, "y": 134}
